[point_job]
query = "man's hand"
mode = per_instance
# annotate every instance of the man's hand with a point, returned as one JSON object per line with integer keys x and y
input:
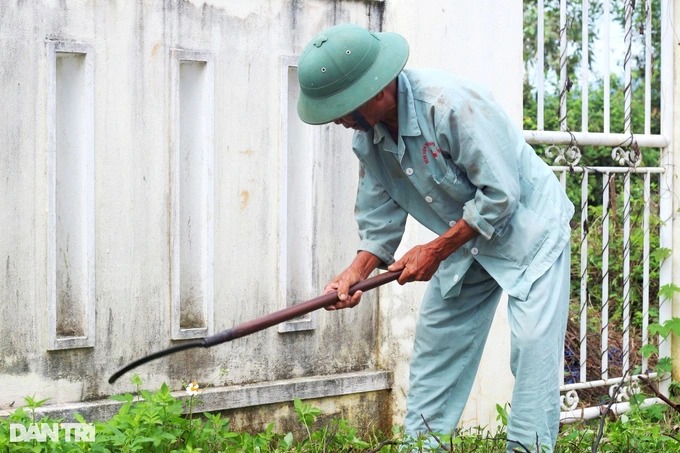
{"x": 341, "y": 284}
{"x": 422, "y": 261}
{"x": 418, "y": 264}
{"x": 364, "y": 263}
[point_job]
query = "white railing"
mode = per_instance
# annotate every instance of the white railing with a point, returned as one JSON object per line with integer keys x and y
{"x": 635, "y": 199}
{"x": 615, "y": 199}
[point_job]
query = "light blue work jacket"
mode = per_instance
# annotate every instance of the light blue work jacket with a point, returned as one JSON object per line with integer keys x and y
{"x": 457, "y": 156}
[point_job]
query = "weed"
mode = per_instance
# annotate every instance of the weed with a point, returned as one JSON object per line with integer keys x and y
{"x": 158, "y": 422}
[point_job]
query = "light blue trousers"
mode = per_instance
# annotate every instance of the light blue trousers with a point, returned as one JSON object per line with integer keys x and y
{"x": 450, "y": 338}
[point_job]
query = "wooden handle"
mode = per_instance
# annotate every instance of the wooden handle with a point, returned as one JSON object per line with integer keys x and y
{"x": 297, "y": 310}
{"x": 262, "y": 323}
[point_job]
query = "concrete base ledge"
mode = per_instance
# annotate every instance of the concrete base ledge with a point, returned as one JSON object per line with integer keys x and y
{"x": 241, "y": 396}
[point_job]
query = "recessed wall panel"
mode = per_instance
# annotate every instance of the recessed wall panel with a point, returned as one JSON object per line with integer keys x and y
{"x": 71, "y": 291}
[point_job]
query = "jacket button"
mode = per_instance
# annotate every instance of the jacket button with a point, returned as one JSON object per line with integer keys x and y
{"x": 474, "y": 250}
{"x": 409, "y": 171}
{"x": 452, "y": 223}
{"x": 455, "y": 278}
{"x": 428, "y": 199}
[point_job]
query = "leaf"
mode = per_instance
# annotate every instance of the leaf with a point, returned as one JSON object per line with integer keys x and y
{"x": 503, "y": 415}
{"x": 136, "y": 380}
{"x": 661, "y": 253}
{"x": 128, "y": 397}
{"x": 656, "y": 411}
{"x": 637, "y": 399}
{"x": 305, "y": 412}
{"x": 657, "y": 329}
{"x": 297, "y": 404}
{"x": 667, "y": 291}
{"x": 33, "y": 403}
{"x": 288, "y": 440}
{"x": 673, "y": 325}
{"x": 670, "y": 326}
{"x": 665, "y": 365}
{"x": 648, "y": 350}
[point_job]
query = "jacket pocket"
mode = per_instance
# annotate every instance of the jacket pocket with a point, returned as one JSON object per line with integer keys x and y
{"x": 455, "y": 185}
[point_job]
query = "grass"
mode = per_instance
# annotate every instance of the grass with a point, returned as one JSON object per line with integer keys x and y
{"x": 158, "y": 422}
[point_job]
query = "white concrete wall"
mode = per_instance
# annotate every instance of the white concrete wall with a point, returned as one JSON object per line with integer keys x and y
{"x": 132, "y": 45}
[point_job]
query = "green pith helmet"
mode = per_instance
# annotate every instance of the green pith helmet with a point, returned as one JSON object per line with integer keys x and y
{"x": 343, "y": 68}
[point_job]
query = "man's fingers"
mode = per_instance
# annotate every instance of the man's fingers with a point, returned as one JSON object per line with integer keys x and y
{"x": 343, "y": 291}
{"x": 396, "y": 266}
{"x": 333, "y": 287}
{"x": 408, "y": 274}
{"x": 341, "y": 284}
{"x": 404, "y": 278}
{"x": 329, "y": 288}
{"x": 356, "y": 298}
{"x": 348, "y": 302}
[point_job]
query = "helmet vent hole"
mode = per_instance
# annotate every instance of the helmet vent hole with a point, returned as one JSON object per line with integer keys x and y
{"x": 323, "y": 69}
{"x": 348, "y": 52}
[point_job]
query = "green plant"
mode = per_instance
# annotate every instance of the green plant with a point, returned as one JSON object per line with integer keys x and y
{"x": 306, "y": 414}
{"x": 154, "y": 422}
{"x": 33, "y": 424}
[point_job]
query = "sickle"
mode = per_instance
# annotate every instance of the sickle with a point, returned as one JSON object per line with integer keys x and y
{"x": 261, "y": 323}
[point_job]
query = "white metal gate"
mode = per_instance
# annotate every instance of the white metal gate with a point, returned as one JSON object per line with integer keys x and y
{"x": 623, "y": 196}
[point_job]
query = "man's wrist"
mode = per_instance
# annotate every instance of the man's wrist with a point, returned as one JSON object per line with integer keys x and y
{"x": 364, "y": 263}
{"x": 439, "y": 248}
{"x": 453, "y": 239}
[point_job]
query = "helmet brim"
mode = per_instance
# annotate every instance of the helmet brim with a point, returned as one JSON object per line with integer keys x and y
{"x": 391, "y": 59}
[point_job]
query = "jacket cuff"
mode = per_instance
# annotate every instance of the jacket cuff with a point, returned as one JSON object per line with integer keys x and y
{"x": 378, "y": 250}
{"x": 473, "y": 218}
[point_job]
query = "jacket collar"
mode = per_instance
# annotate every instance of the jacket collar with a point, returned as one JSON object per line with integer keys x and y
{"x": 408, "y": 121}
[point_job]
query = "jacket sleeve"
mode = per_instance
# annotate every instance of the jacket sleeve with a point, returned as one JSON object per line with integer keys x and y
{"x": 482, "y": 142}
{"x": 381, "y": 220}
